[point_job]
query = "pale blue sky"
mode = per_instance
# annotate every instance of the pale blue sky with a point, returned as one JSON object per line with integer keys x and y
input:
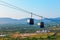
{"x": 46, "y": 8}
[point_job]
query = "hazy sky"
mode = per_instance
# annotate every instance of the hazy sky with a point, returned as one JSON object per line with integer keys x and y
{"x": 46, "y": 8}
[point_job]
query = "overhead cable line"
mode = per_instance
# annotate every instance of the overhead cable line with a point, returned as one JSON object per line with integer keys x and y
{"x": 20, "y": 9}
{"x": 15, "y": 7}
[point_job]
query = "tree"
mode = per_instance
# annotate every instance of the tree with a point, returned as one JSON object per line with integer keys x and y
{"x": 34, "y": 38}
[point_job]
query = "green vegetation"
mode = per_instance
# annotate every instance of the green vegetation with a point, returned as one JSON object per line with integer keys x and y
{"x": 11, "y": 29}
{"x": 28, "y": 38}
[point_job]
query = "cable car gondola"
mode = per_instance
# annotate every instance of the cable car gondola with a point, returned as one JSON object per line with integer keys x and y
{"x": 42, "y": 25}
{"x": 31, "y": 21}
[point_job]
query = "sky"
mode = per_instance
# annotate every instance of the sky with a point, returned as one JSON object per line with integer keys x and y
{"x": 45, "y": 8}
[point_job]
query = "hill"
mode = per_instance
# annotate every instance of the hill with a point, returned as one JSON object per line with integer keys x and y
{"x": 24, "y": 20}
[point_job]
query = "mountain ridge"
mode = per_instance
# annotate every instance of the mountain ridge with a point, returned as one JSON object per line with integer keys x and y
{"x": 24, "y": 20}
